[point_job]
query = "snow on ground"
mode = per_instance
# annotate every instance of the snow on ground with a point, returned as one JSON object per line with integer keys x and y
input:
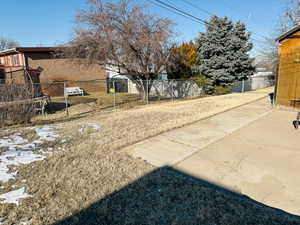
{"x": 21, "y": 151}
{"x": 46, "y": 133}
{"x": 15, "y": 157}
{"x": 14, "y": 196}
{"x": 94, "y": 126}
{"x": 12, "y": 141}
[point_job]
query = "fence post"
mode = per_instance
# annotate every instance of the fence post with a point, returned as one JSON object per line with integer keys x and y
{"x": 243, "y": 86}
{"x": 162, "y": 94}
{"x": 66, "y": 99}
{"x": 114, "y": 88}
{"x": 147, "y": 90}
{"x": 172, "y": 90}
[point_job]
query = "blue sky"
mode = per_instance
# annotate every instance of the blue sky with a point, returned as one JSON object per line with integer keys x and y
{"x": 50, "y": 22}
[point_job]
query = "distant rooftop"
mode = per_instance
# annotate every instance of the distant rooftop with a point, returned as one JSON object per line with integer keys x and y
{"x": 28, "y": 49}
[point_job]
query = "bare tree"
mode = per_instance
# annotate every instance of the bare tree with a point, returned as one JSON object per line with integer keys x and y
{"x": 6, "y": 43}
{"x": 290, "y": 16}
{"x": 268, "y": 55}
{"x": 125, "y": 37}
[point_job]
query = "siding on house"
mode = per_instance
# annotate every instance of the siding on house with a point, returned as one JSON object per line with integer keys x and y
{"x": 12, "y": 68}
{"x": 12, "y": 60}
{"x": 288, "y": 80}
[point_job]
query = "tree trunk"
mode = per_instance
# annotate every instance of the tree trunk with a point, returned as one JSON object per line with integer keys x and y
{"x": 144, "y": 88}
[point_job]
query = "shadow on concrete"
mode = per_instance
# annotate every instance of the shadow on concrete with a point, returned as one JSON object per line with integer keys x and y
{"x": 170, "y": 197}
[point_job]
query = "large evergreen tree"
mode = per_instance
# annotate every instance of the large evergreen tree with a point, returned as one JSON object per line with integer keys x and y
{"x": 223, "y": 52}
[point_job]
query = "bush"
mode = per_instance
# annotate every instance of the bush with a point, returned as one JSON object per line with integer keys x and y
{"x": 13, "y": 108}
{"x": 208, "y": 88}
{"x": 221, "y": 90}
{"x": 205, "y": 84}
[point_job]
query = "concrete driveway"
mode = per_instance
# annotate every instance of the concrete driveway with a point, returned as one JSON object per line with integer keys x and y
{"x": 261, "y": 160}
{"x": 253, "y": 150}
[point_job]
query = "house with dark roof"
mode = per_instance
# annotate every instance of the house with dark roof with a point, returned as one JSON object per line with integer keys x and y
{"x": 40, "y": 65}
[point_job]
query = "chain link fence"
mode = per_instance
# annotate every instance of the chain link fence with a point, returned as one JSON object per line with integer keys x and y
{"x": 77, "y": 98}
{"x": 82, "y": 97}
{"x": 252, "y": 84}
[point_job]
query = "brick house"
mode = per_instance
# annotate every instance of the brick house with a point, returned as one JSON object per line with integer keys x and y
{"x": 38, "y": 65}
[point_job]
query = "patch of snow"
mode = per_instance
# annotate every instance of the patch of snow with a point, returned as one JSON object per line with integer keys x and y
{"x": 14, "y": 196}
{"x": 20, "y": 151}
{"x": 25, "y": 223}
{"x": 5, "y": 176}
{"x": 17, "y": 157}
{"x": 14, "y": 157}
{"x": 17, "y": 139}
{"x": 94, "y": 126}
{"x": 12, "y": 141}
{"x": 46, "y": 133}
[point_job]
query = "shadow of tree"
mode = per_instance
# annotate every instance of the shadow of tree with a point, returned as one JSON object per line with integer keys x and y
{"x": 168, "y": 196}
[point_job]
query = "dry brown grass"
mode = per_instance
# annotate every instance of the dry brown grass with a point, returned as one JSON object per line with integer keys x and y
{"x": 78, "y": 182}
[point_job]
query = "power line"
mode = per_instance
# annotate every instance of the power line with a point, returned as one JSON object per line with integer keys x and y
{"x": 183, "y": 13}
{"x": 197, "y": 7}
{"x": 210, "y": 13}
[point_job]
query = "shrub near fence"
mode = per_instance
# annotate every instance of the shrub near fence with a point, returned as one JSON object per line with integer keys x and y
{"x": 15, "y": 103}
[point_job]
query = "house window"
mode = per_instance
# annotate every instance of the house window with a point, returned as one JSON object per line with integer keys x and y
{"x": 15, "y": 60}
{"x": 6, "y": 61}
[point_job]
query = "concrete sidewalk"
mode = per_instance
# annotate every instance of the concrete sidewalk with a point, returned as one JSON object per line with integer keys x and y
{"x": 253, "y": 150}
{"x": 174, "y": 146}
